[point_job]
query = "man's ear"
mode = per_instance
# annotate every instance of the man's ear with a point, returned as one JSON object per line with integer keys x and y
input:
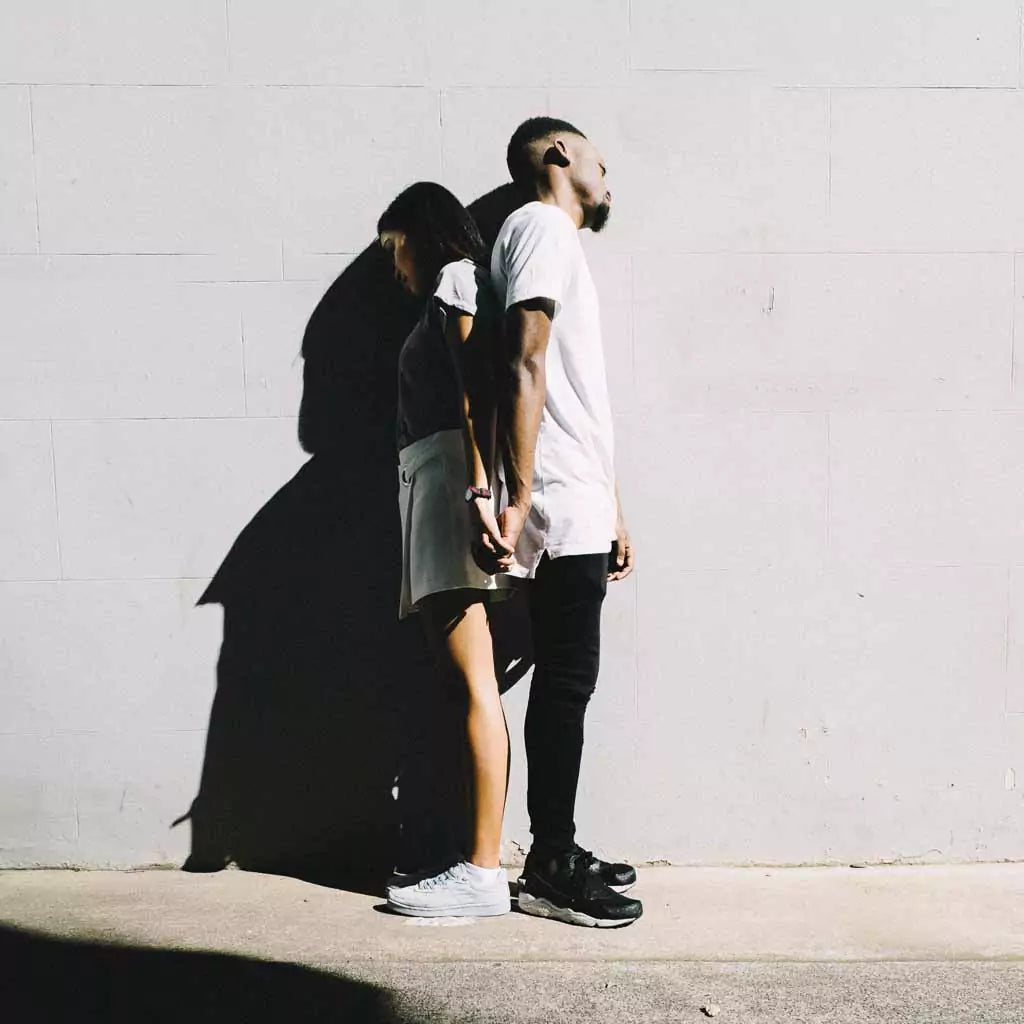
{"x": 557, "y": 154}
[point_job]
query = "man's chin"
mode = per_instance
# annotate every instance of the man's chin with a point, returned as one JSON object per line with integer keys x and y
{"x": 600, "y": 218}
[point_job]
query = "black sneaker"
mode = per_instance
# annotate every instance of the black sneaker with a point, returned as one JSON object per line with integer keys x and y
{"x": 566, "y": 889}
{"x": 620, "y": 877}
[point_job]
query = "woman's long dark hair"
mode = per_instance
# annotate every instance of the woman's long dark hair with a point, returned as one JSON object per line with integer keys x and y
{"x": 439, "y": 227}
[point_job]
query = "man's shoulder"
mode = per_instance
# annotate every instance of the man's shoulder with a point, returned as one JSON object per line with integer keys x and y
{"x": 535, "y": 214}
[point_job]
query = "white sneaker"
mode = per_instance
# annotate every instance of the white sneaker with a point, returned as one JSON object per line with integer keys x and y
{"x": 456, "y": 892}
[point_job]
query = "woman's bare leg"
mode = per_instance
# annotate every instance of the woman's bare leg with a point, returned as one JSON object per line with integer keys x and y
{"x": 456, "y": 624}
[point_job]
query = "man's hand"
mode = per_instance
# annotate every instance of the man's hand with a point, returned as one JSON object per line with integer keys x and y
{"x": 625, "y": 557}
{"x": 489, "y": 550}
{"x": 511, "y": 522}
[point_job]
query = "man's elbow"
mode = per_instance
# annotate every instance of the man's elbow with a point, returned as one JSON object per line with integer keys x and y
{"x": 528, "y": 370}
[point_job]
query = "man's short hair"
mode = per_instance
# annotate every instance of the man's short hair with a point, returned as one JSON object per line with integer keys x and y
{"x": 530, "y": 131}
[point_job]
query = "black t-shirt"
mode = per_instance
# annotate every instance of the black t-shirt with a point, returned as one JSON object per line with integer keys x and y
{"x": 429, "y": 397}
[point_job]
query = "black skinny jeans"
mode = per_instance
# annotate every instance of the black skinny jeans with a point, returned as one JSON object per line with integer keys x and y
{"x": 565, "y": 612}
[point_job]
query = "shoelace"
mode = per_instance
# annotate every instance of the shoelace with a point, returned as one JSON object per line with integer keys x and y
{"x": 586, "y": 859}
{"x": 586, "y": 856}
{"x": 452, "y": 874}
{"x": 579, "y": 870}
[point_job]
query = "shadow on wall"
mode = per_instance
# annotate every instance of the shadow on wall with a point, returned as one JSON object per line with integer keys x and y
{"x": 325, "y": 701}
{"x": 64, "y": 981}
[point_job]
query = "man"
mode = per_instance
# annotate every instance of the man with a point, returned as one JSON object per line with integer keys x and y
{"x": 562, "y": 518}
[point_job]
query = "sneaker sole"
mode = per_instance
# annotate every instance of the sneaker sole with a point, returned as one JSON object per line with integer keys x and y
{"x": 540, "y": 907}
{"x": 620, "y": 889}
{"x": 466, "y": 910}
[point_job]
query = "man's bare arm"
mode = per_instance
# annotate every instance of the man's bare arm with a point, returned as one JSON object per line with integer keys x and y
{"x": 527, "y": 332}
{"x": 625, "y": 556}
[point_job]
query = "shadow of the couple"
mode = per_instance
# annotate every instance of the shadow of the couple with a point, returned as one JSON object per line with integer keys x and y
{"x": 333, "y": 750}
{"x": 66, "y": 981}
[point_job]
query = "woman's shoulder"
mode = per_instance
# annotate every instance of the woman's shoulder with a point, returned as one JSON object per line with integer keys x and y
{"x": 461, "y": 283}
{"x": 464, "y": 270}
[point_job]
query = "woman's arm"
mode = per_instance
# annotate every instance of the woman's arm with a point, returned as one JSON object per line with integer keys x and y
{"x": 478, "y": 408}
{"x": 471, "y": 358}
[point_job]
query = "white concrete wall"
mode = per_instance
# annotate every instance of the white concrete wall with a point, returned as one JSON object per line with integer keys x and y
{"x": 810, "y": 288}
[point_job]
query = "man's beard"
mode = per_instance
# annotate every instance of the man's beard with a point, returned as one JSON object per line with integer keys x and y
{"x": 601, "y": 214}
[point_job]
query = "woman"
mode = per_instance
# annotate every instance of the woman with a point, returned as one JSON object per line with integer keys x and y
{"x": 452, "y": 560}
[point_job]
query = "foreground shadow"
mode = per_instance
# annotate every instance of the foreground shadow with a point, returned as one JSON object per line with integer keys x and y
{"x": 333, "y": 748}
{"x": 61, "y": 981}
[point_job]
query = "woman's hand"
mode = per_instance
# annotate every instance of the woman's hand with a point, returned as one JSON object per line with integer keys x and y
{"x": 490, "y": 552}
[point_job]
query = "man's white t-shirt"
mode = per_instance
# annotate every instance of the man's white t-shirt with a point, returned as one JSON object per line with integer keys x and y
{"x": 538, "y": 255}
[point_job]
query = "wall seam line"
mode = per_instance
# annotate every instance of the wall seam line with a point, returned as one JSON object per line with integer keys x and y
{"x": 828, "y": 152}
{"x": 73, "y": 752}
{"x": 632, "y": 331}
{"x": 108, "y": 579}
{"x": 56, "y": 502}
{"x": 1006, "y": 640}
{"x": 35, "y": 173}
{"x": 187, "y": 419}
{"x": 1013, "y": 319}
{"x": 630, "y": 268}
{"x": 79, "y": 84}
{"x": 828, "y": 483}
{"x": 227, "y": 36}
{"x": 629, "y": 35}
{"x": 245, "y": 376}
{"x": 440, "y": 125}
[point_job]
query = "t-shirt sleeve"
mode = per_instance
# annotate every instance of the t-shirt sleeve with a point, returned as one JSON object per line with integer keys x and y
{"x": 537, "y": 258}
{"x": 458, "y": 286}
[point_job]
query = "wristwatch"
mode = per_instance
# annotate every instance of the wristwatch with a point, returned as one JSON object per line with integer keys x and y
{"x": 478, "y": 492}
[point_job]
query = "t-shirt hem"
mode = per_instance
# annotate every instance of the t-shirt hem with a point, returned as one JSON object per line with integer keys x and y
{"x": 581, "y": 548}
{"x": 528, "y": 569}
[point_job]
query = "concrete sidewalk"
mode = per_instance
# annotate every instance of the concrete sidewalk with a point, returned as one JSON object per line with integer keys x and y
{"x": 937, "y": 943}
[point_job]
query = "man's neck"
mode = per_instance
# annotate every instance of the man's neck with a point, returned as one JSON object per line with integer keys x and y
{"x": 561, "y": 194}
